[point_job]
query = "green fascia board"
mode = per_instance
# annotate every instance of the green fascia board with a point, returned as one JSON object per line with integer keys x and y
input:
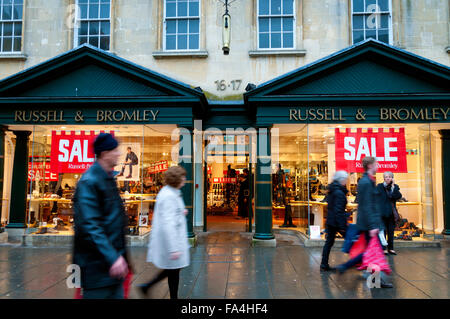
{"x": 108, "y": 59}
{"x": 431, "y": 68}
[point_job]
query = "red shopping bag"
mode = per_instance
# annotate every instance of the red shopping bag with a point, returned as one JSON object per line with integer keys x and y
{"x": 358, "y": 247}
{"x": 126, "y": 287}
{"x": 374, "y": 257}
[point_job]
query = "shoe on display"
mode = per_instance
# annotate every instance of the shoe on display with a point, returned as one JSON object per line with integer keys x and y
{"x": 129, "y": 176}
{"x": 42, "y": 230}
{"x": 52, "y": 231}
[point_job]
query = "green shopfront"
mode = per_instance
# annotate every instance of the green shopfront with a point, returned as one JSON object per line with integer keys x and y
{"x": 291, "y": 133}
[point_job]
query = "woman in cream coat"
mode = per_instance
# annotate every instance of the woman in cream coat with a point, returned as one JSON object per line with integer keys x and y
{"x": 169, "y": 248}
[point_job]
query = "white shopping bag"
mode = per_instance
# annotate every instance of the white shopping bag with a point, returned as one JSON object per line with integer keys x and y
{"x": 382, "y": 238}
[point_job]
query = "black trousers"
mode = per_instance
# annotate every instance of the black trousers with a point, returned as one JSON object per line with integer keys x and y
{"x": 173, "y": 276}
{"x": 331, "y": 236}
{"x": 110, "y": 292}
{"x": 389, "y": 225}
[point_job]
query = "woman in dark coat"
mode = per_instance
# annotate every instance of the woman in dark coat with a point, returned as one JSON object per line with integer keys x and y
{"x": 337, "y": 216}
{"x": 388, "y": 194}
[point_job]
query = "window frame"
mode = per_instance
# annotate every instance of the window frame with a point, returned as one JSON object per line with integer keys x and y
{"x": 79, "y": 20}
{"x": 390, "y": 31}
{"x": 294, "y": 22}
{"x": 165, "y": 18}
{"x": 13, "y": 21}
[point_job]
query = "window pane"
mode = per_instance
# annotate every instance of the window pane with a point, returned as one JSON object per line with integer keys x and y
{"x": 93, "y": 41}
{"x": 193, "y": 26}
{"x": 83, "y": 28}
{"x": 264, "y": 24}
{"x": 104, "y": 11}
{"x": 371, "y": 5}
{"x": 7, "y": 1}
{"x": 18, "y": 28}
{"x": 193, "y": 42}
{"x": 358, "y": 5}
{"x": 82, "y": 40}
{"x": 1, "y": 32}
{"x": 275, "y": 7}
{"x": 17, "y": 44}
{"x": 104, "y": 28}
{"x": 263, "y": 40}
{"x": 7, "y": 29}
{"x": 83, "y": 11}
{"x": 193, "y": 9}
{"x": 275, "y": 40}
{"x": 263, "y": 6}
{"x": 371, "y": 34}
{"x": 182, "y": 26}
{"x": 384, "y": 21}
{"x": 288, "y": 24}
{"x": 171, "y": 42}
{"x": 171, "y": 26}
{"x": 182, "y": 8}
{"x": 7, "y": 12}
{"x": 83, "y": 1}
{"x": 358, "y": 22}
{"x": 18, "y": 12}
{"x": 182, "y": 42}
{"x": 288, "y": 40}
{"x": 93, "y": 11}
{"x": 93, "y": 28}
{"x": 383, "y": 35}
{"x": 384, "y": 5}
{"x": 171, "y": 9}
{"x": 358, "y": 36}
{"x": 276, "y": 24}
{"x": 18, "y": 1}
{"x": 7, "y": 44}
{"x": 104, "y": 43}
{"x": 371, "y": 21}
{"x": 288, "y": 6}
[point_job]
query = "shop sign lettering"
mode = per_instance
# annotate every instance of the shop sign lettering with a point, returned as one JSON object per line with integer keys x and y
{"x": 389, "y": 148}
{"x": 316, "y": 114}
{"x": 72, "y": 152}
{"x": 404, "y": 114}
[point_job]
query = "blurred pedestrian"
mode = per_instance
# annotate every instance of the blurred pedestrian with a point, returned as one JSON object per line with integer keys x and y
{"x": 100, "y": 221}
{"x": 389, "y": 194}
{"x": 169, "y": 247}
{"x": 244, "y": 194}
{"x": 369, "y": 220}
{"x": 337, "y": 216}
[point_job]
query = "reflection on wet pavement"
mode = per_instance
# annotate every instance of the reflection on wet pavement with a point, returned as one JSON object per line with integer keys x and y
{"x": 224, "y": 265}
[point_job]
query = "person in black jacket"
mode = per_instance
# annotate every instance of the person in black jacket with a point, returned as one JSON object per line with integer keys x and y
{"x": 337, "y": 216}
{"x": 388, "y": 194}
{"x": 368, "y": 220}
{"x": 100, "y": 221}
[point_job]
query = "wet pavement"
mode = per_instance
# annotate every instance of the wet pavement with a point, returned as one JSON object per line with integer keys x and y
{"x": 223, "y": 265}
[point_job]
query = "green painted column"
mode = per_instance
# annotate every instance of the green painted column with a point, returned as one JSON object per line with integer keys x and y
{"x": 263, "y": 188}
{"x": 2, "y": 162}
{"x": 186, "y": 161}
{"x": 17, "y": 213}
{"x": 445, "y": 134}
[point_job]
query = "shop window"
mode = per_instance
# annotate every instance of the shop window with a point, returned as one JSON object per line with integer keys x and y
{"x": 181, "y": 25}
{"x": 371, "y": 19}
{"x": 276, "y": 21}
{"x": 11, "y": 12}
{"x": 94, "y": 24}
{"x": 310, "y": 155}
{"x": 55, "y": 168}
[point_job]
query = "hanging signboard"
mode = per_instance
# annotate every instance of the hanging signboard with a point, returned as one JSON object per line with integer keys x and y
{"x": 72, "y": 152}
{"x": 158, "y": 167}
{"x": 388, "y": 147}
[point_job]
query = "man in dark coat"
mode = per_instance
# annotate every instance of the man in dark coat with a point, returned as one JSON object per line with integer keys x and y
{"x": 243, "y": 196}
{"x": 337, "y": 216}
{"x": 388, "y": 194}
{"x": 369, "y": 220}
{"x": 100, "y": 221}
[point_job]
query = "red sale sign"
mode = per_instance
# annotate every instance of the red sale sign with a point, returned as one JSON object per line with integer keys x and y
{"x": 158, "y": 167}
{"x": 72, "y": 152}
{"x": 389, "y": 148}
{"x": 39, "y": 168}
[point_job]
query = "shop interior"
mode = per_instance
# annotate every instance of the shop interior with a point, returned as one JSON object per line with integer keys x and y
{"x": 146, "y": 155}
{"x": 228, "y": 183}
{"x": 306, "y": 163}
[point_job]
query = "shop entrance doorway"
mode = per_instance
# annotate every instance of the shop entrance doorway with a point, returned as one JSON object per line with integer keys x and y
{"x": 229, "y": 180}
